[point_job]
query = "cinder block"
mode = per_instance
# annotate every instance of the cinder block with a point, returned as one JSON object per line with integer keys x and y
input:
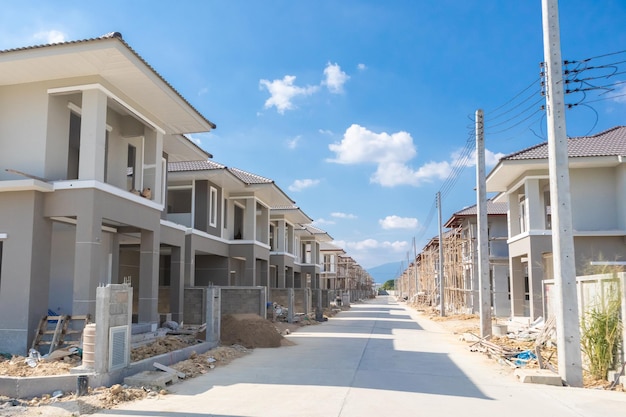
{"x": 151, "y": 379}
{"x": 538, "y": 376}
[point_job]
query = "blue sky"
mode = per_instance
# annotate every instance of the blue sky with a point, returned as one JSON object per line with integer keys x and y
{"x": 360, "y": 110}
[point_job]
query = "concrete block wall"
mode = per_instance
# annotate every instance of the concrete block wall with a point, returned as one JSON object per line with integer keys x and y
{"x": 302, "y": 299}
{"x": 194, "y": 307}
{"x": 244, "y": 300}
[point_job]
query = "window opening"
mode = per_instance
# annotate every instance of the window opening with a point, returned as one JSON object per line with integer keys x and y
{"x": 73, "y": 153}
{"x": 131, "y": 168}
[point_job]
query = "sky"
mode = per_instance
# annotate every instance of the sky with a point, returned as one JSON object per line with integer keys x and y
{"x": 360, "y": 110}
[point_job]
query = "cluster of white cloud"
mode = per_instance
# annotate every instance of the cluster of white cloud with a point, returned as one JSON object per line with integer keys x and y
{"x": 373, "y": 251}
{"x": 283, "y": 91}
{"x": 397, "y": 222}
{"x": 391, "y": 154}
{"x": 299, "y": 185}
{"x": 50, "y": 36}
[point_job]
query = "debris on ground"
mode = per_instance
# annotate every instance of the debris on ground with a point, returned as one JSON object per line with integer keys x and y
{"x": 250, "y": 331}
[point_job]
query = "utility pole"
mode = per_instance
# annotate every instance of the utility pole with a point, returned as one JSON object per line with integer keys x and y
{"x": 441, "y": 295}
{"x": 568, "y": 326}
{"x": 484, "y": 295}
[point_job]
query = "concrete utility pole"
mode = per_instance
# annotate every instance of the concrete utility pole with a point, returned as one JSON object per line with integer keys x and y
{"x": 484, "y": 295}
{"x": 441, "y": 295}
{"x": 568, "y": 326}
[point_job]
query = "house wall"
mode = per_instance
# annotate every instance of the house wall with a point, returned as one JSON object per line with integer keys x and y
{"x": 24, "y": 276}
{"x": 593, "y": 198}
{"x": 61, "y": 294}
{"x": 23, "y": 111}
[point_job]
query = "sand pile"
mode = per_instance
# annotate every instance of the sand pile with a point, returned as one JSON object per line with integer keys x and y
{"x": 249, "y": 330}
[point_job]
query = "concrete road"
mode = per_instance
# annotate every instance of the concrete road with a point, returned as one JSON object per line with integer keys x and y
{"x": 377, "y": 359}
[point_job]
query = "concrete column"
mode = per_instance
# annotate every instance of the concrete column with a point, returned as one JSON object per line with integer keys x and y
{"x": 213, "y": 314}
{"x": 535, "y": 276}
{"x": 534, "y": 206}
{"x": 92, "y": 135}
{"x": 87, "y": 260}
{"x": 148, "y": 277}
{"x": 115, "y": 259}
{"x": 518, "y": 296}
{"x": 513, "y": 217}
{"x": 281, "y": 273}
{"x": 281, "y": 233}
{"x": 177, "y": 284}
{"x": 249, "y": 221}
{"x": 152, "y": 172}
{"x": 189, "y": 262}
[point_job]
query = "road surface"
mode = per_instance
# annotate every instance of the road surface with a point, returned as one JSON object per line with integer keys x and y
{"x": 379, "y": 358}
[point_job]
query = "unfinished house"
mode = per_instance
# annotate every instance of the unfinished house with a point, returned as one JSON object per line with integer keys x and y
{"x": 330, "y": 254}
{"x": 227, "y": 214}
{"x": 598, "y": 198}
{"x": 461, "y": 255}
{"x": 86, "y": 130}
{"x": 427, "y": 262}
{"x": 285, "y": 265}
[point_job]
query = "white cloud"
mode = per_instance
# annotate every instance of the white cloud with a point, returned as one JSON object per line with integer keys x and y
{"x": 194, "y": 139}
{"x": 282, "y": 92}
{"x": 360, "y": 145}
{"x": 322, "y": 221}
{"x": 491, "y": 158}
{"x": 396, "y": 222}
{"x": 361, "y": 67}
{"x": 299, "y": 185}
{"x": 325, "y": 132}
{"x": 50, "y": 36}
{"x": 335, "y": 78}
{"x": 391, "y": 154}
{"x": 371, "y": 252}
{"x": 203, "y": 91}
{"x": 343, "y": 215}
{"x": 620, "y": 94}
{"x": 293, "y": 143}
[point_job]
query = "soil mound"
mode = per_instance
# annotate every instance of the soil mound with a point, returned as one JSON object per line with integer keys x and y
{"x": 249, "y": 330}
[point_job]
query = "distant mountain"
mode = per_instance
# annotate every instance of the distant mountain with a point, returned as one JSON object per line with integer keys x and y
{"x": 385, "y": 272}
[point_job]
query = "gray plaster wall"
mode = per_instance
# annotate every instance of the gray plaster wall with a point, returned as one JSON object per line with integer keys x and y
{"x": 24, "y": 284}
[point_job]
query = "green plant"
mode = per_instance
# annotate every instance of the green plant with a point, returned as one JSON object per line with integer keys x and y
{"x": 601, "y": 334}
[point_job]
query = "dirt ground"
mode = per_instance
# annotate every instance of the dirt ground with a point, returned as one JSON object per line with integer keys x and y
{"x": 240, "y": 334}
{"x": 470, "y": 324}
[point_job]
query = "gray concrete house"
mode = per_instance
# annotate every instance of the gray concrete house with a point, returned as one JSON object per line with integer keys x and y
{"x": 598, "y": 196}
{"x": 86, "y": 131}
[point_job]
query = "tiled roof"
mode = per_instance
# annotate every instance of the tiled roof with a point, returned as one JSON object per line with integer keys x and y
{"x": 118, "y": 36}
{"x": 611, "y": 142}
{"x": 249, "y": 178}
{"x": 314, "y": 230}
{"x": 289, "y": 207}
{"x": 492, "y": 208}
{"x": 193, "y": 166}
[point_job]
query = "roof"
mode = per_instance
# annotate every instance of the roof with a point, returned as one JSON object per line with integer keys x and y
{"x": 319, "y": 234}
{"x": 111, "y": 58}
{"x": 291, "y": 213}
{"x": 493, "y": 209}
{"x": 602, "y": 150}
{"x": 185, "y": 166}
{"x": 265, "y": 187}
{"x": 611, "y": 142}
{"x": 250, "y": 178}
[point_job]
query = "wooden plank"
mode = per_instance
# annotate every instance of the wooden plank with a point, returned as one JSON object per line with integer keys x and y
{"x": 169, "y": 370}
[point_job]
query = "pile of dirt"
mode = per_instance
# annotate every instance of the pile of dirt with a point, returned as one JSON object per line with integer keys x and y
{"x": 249, "y": 330}
{"x": 164, "y": 345}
